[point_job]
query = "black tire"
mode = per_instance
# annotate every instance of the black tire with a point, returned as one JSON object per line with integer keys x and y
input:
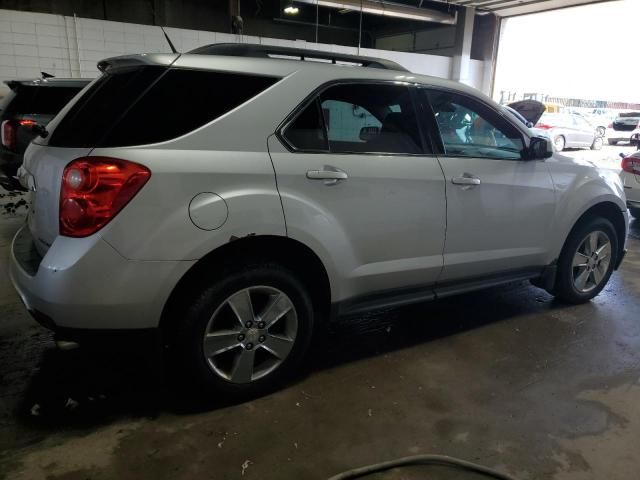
{"x": 190, "y": 366}
{"x": 597, "y": 143}
{"x": 613, "y": 142}
{"x": 565, "y": 290}
{"x": 635, "y": 212}
{"x": 563, "y": 143}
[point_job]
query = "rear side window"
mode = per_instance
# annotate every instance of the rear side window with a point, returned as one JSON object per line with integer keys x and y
{"x": 307, "y": 131}
{"x": 151, "y": 104}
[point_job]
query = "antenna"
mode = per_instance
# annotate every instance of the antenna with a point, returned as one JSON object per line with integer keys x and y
{"x": 153, "y": 11}
{"x": 173, "y": 49}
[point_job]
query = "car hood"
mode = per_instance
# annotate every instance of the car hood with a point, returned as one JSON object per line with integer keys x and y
{"x": 532, "y": 110}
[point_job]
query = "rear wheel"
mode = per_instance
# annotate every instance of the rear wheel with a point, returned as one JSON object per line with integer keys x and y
{"x": 613, "y": 142}
{"x": 586, "y": 261}
{"x": 245, "y": 333}
{"x": 559, "y": 143}
{"x": 597, "y": 143}
{"x": 635, "y": 212}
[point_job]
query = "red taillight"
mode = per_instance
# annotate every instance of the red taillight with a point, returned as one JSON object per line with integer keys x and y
{"x": 631, "y": 165}
{"x": 94, "y": 190}
{"x": 610, "y": 125}
{"x": 8, "y": 134}
{"x": 27, "y": 123}
{"x": 543, "y": 126}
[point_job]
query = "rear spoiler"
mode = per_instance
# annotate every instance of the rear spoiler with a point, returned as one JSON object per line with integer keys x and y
{"x": 143, "y": 59}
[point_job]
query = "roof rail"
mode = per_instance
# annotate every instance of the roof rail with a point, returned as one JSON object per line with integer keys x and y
{"x": 254, "y": 50}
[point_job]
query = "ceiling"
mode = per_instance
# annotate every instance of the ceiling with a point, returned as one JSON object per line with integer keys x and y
{"x": 508, "y": 8}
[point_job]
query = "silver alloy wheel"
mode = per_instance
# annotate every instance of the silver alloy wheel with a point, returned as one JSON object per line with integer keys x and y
{"x": 597, "y": 143}
{"x": 591, "y": 261}
{"x": 250, "y": 334}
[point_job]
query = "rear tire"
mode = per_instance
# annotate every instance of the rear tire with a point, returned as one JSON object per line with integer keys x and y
{"x": 613, "y": 142}
{"x": 220, "y": 352}
{"x": 560, "y": 143}
{"x": 635, "y": 212}
{"x": 587, "y": 260}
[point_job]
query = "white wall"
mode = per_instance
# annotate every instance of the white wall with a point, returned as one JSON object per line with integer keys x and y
{"x": 70, "y": 47}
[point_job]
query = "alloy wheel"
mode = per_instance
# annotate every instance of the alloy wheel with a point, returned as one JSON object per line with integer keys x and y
{"x": 250, "y": 334}
{"x": 591, "y": 261}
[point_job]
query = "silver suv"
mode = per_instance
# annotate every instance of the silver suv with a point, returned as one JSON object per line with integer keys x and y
{"x": 231, "y": 201}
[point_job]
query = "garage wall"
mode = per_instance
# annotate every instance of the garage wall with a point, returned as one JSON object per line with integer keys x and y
{"x": 70, "y": 46}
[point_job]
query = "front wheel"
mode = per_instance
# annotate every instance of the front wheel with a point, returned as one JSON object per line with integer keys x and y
{"x": 597, "y": 143}
{"x": 245, "y": 333}
{"x": 586, "y": 261}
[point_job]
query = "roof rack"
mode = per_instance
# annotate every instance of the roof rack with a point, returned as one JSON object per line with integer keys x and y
{"x": 254, "y": 50}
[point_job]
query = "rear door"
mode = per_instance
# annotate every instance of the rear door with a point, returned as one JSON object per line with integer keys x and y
{"x": 358, "y": 185}
{"x": 498, "y": 205}
{"x": 78, "y": 129}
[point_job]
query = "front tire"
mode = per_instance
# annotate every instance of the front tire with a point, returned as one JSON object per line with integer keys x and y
{"x": 587, "y": 260}
{"x": 597, "y": 143}
{"x": 246, "y": 333}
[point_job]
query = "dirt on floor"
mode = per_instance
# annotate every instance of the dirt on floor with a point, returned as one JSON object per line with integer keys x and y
{"x": 505, "y": 377}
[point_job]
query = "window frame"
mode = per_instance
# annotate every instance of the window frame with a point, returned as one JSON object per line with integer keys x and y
{"x": 426, "y": 145}
{"x": 436, "y": 137}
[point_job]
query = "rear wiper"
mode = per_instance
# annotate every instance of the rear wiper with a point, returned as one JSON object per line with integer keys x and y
{"x": 39, "y": 130}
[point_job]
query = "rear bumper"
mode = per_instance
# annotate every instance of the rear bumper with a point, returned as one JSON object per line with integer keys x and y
{"x": 84, "y": 283}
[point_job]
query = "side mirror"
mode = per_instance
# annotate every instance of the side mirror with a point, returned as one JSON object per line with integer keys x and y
{"x": 368, "y": 133}
{"x": 540, "y": 148}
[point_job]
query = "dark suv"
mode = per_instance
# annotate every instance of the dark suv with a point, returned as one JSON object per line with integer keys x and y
{"x": 30, "y": 105}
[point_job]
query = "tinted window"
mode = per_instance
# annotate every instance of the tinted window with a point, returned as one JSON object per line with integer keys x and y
{"x": 307, "y": 132}
{"x": 470, "y": 129}
{"x": 152, "y": 104}
{"x": 102, "y": 105}
{"x": 370, "y": 118}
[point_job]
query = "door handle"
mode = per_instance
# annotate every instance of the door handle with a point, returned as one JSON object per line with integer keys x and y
{"x": 330, "y": 175}
{"x": 466, "y": 180}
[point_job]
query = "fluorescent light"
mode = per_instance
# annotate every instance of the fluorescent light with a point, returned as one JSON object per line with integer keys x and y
{"x": 291, "y": 9}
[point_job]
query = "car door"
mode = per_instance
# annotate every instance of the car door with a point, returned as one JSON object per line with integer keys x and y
{"x": 498, "y": 205}
{"x": 585, "y": 130}
{"x": 359, "y": 187}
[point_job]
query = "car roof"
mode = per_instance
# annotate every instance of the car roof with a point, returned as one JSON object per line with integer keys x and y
{"x": 277, "y": 66}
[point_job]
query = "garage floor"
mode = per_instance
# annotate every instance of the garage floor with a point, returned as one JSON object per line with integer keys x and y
{"x": 504, "y": 377}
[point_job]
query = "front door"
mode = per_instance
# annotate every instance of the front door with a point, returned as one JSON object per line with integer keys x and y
{"x": 498, "y": 205}
{"x": 359, "y": 187}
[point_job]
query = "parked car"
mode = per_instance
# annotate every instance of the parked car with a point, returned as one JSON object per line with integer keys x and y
{"x": 529, "y": 112}
{"x": 630, "y": 175}
{"x": 570, "y": 131}
{"x": 277, "y": 194}
{"x": 623, "y": 128}
{"x": 29, "y": 106}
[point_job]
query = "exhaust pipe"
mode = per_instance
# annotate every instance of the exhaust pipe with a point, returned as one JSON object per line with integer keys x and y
{"x": 387, "y": 9}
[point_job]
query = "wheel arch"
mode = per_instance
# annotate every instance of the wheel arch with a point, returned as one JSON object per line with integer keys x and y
{"x": 611, "y": 212}
{"x": 284, "y": 250}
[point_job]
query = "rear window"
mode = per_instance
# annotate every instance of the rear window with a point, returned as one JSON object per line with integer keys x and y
{"x": 38, "y": 100}
{"x": 153, "y": 104}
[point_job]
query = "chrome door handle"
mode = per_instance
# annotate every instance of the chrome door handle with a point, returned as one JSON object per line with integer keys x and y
{"x": 330, "y": 175}
{"x": 466, "y": 180}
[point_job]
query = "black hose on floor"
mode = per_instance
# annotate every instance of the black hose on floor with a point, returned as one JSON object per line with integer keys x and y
{"x": 441, "y": 460}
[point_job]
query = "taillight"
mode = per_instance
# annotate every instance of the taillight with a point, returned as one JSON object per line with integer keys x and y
{"x": 94, "y": 190}
{"x": 27, "y": 123}
{"x": 8, "y": 134}
{"x": 610, "y": 125}
{"x": 631, "y": 165}
{"x": 543, "y": 126}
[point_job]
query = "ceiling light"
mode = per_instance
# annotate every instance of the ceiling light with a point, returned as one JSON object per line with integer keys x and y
{"x": 291, "y": 9}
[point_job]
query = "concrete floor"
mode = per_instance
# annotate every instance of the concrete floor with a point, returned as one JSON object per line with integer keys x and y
{"x": 505, "y": 377}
